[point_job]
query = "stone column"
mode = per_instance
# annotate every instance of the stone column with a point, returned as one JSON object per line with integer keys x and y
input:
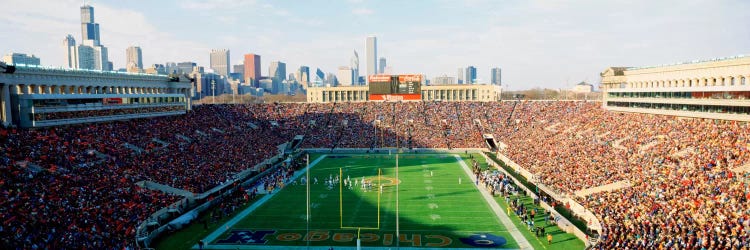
{"x": 7, "y": 117}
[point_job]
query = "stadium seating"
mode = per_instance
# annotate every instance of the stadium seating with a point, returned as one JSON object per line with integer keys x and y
{"x": 75, "y": 187}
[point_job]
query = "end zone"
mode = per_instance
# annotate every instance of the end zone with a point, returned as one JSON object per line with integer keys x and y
{"x": 224, "y": 228}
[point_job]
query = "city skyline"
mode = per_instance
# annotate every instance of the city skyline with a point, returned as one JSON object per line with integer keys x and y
{"x": 552, "y": 44}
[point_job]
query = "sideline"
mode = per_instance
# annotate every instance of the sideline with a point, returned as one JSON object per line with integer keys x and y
{"x": 523, "y": 243}
{"x": 230, "y": 224}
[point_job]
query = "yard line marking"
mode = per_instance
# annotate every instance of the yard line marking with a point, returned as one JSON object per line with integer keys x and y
{"x": 222, "y": 229}
{"x": 523, "y": 243}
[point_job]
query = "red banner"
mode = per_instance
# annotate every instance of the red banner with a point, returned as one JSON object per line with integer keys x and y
{"x": 116, "y": 100}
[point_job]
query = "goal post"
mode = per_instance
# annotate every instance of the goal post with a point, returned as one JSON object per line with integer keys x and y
{"x": 341, "y": 203}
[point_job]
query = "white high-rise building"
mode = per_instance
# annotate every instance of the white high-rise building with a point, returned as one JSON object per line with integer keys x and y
{"x": 134, "y": 57}
{"x": 220, "y": 61}
{"x": 372, "y": 56}
{"x": 345, "y": 76}
{"x": 71, "y": 52}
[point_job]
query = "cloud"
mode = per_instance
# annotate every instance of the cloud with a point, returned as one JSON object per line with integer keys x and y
{"x": 41, "y": 26}
{"x": 562, "y": 39}
{"x": 282, "y": 13}
{"x": 362, "y": 11}
{"x": 210, "y": 5}
{"x": 121, "y": 28}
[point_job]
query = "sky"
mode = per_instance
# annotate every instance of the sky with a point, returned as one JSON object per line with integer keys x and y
{"x": 547, "y": 44}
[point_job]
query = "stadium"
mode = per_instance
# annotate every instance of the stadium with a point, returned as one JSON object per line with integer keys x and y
{"x": 152, "y": 170}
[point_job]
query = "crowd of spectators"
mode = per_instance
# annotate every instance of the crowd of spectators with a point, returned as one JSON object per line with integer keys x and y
{"x": 103, "y": 112}
{"x": 76, "y": 186}
{"x": 683, "y": 194}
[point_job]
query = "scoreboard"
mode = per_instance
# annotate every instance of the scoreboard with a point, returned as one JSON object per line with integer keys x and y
{"x": 395, "y": 87}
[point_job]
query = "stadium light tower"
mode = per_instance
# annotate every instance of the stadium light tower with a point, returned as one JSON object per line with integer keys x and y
{"x": 213, "y": 91}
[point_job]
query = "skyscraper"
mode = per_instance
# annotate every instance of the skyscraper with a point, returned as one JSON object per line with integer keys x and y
{"x": 239, "y": 68}
{"x": 372, "y": 56}
{"x": 252, "y": 68}
{"x": 86, "y": 57}
{"x": 304, "y": 75}
{"x": 170, "y": 67}
{"x": 185, "y": 67}
{"x": 443, "y": 80}
{"x": 220, "y": 61}
{"x": 355, "y": 68}
{"x": 71, "y": 52}
{"x": 21, "y": 58}
{"x": 460, "y": 76}
{"x": 345, "y": 76}
{"x": 277, "y": 71}
{"x": 471, "y": 75}
{"x": 331, "y": 79}
{"x": 91, "y": 54}
{"x": 134, "y": 57}
{"x": 319, "y": 77}
{"x": 89, "y": 29}
{"x": 381, "y": 66}
{"x": 495, "y": 75}
{"x": 101, "y": 58}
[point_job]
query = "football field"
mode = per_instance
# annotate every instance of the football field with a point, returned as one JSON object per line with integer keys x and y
{"x": 430, "y": 200}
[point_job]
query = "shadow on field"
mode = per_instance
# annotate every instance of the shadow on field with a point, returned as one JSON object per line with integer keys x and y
{"x": 284, "y": 224}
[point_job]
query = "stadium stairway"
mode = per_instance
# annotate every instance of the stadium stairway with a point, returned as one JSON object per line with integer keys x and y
{"x": 684, "y": 152}
{"x": 135, "y": 148}
{"x": 163, "y": 143}
{"x": 616, "y": 143}
{"x": 603, "y": 134}
{"x": 742, "y": 169}
{"x": 648, "y": 146}
{"x": 201, "y": 133}
{"x": 99, "y": 155}
{"x": 603, "y": 188}
{"x": 571, "y": 129}
{"x": 180, "y": 136}
{"x": 581, "y": 133}
{"x": 551, "y": 128}
{"x": 164, "y": 188}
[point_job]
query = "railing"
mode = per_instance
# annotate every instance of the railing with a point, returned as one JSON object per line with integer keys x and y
{"x": 576, "y": 215}
{"x": 57, "y": 122}
{"x": 100, "y": 106}
{"x": 144, "y": 236}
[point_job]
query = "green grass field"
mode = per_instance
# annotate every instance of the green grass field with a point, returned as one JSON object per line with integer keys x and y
{"x": 434, "y": 210}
